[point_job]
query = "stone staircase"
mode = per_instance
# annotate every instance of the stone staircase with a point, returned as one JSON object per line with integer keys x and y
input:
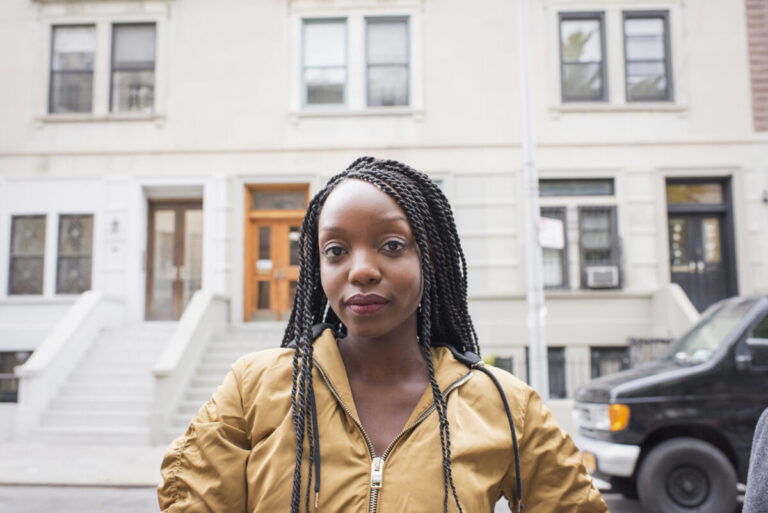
{"x": 227, "y": 344}
{"x": 107, "y": 398}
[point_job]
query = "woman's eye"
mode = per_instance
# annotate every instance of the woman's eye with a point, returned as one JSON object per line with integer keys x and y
{"x": 333, "y": 251}
{"x": 394, "y": 246}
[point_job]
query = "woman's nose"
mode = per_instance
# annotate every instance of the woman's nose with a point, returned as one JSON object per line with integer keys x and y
{"x": 365, "y": 269}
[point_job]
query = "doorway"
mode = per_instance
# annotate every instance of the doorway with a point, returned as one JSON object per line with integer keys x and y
{"x": 174, "y": 257}
{"x": 701, "y": 248}
{"x": 273, "y": 222}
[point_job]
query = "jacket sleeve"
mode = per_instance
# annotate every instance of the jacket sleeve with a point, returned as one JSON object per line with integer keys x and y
{"x": 756, "y": 496}
{"x": 553, "y": 475}
{"x": 204, "y": 471}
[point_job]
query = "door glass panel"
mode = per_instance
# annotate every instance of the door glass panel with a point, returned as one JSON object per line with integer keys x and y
{"x": 264, "y": 260}
{"x": 192, "y": 267}
{"x": 279, "y": 200}
{"x": 710, "y": 234}
{"x": 678, "y": 244}
{"x": 27, "y": 255}
{"x": 293, "y": 239}
{"x": 707, "y": 193}
{"x": 163, "y": 268}
{"x": 262, "y": 300}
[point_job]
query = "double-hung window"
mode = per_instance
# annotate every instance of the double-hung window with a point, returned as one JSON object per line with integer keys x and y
{"x": 646, "y": 51}
{"x": 582, "y": 57}
{"x": 133, "y": 68}
{"x": 73, "y": 68}
{"x": 599, "y": 247}
{"x": 325, "y": 61}
{"x": 73, "y": 273}
{"x": 356, "y": 62}
{"x": 27, "y": 255}
{"x": 72, "y": 58}
{"x": 387, "y": 57}
{"x": 595, "y": 250}
{"x": 73, "y": 255}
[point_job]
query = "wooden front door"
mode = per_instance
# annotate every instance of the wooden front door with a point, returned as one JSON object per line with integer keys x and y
{"x": 174, "y": 257}
{"x": 271, "y": 250}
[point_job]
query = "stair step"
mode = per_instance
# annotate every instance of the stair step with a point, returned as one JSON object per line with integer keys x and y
{"x": 95, "y": 419}
{"x": 89, "y": 404}
{"x": 88, "y": 435}
{"x": 207, "y": 382}
{"x": 118, "y": 391}
{"x": 120, "y": 377}
{"x": 190, "y": 406}
{"x": 199, "y": 394}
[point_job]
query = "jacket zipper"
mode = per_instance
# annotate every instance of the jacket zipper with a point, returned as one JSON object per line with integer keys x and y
{"x": 377, "y": 463}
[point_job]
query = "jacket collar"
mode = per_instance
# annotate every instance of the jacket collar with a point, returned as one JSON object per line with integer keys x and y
{"x": 328, "y": 357}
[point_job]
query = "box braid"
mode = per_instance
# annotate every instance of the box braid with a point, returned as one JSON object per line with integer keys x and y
{"x": 443, "y": 317}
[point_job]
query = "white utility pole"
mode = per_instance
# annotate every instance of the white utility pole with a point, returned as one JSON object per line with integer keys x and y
{"x": 537, "y": 352}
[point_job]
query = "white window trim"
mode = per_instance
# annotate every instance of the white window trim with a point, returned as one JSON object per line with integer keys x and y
{"x": 102, "y": 16}
{"x": 614, "y": 57}
{"x": 356, "y": 86}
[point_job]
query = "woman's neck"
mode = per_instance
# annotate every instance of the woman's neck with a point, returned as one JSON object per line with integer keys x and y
{"x": 390, "y": 357}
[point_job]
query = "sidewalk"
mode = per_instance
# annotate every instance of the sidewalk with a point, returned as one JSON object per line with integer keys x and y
{"x": 60, "y": 465}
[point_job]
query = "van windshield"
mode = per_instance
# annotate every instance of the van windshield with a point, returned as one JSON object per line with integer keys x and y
{"x": 702, "y": 341}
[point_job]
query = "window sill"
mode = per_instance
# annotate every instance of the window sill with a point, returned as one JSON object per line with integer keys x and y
{"x": 342, "y": 112}
{"x": 100, "y": 118}
{"x": 598, "y": 107}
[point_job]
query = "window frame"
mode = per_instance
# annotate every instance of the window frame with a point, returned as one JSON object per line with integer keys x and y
{"x": 59, "y": 255}
{"x": 304, "y": 20}
{"x": 51, "y": 71}
{"x": 594, "y": 352}
{"x": 408, "y": 66}
{"x": 562, "y": 215}
{"x": 646, "y": 14}
{"x": 615, "y": 247}
{"x": 5, "y": 376}
{"x": 549, "y": 181}
{"x": 584, "y": 15}
{"x": 12, "y": 257}
{"x": 113, "y": 69}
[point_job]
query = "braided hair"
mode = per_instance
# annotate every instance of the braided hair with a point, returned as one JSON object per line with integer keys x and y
{"x": 443, "y": 317}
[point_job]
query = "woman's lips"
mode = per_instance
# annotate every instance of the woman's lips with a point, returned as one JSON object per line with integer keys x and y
{"x": 366, "y": 304}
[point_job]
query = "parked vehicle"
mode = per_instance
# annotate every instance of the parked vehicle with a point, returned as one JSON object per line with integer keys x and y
{"x": 677, "y": 432}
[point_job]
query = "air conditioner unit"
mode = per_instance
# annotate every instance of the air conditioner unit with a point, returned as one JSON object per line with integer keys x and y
{"x": 602, "y": 276}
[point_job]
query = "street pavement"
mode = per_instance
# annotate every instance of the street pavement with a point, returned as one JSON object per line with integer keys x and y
{"x": 79, "y": 499}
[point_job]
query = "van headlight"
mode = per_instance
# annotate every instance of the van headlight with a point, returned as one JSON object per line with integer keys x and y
{"x": 601, "y": 417}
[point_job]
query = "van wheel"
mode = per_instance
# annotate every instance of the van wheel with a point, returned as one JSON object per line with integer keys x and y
{"x": 685, "y": 475}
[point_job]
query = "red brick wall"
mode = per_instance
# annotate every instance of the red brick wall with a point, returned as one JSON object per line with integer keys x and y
{"x": 757, "y": 33}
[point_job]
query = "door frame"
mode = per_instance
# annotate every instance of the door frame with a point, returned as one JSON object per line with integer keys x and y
{"x": 249, "y": 216}
{"x": 728, "y": 243}
{"x": 152, "y": 206}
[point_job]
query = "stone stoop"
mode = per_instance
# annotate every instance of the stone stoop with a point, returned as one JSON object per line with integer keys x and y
{"x": 227, "y": 344}
{"x": 107, "y": 398}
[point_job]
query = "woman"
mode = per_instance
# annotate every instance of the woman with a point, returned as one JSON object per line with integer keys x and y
{"x": 756, "y": 496}
{"x": 387, "y": 401}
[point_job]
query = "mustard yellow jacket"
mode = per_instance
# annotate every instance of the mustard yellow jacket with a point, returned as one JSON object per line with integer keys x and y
{"x": 239, "y": 452}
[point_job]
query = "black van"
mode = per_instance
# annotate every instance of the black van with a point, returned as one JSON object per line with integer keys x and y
{"x": 677, "y": 432}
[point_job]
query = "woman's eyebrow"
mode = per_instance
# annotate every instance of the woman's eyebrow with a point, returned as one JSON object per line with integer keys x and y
{"x": 385, "y": 220}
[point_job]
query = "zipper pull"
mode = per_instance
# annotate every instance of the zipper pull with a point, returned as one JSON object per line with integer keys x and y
{"x": 377, "y": 472}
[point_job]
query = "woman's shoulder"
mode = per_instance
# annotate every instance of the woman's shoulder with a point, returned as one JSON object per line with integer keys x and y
{"x": 256, "y": 366}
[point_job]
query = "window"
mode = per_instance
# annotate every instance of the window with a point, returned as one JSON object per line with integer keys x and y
{"x": 556, "y": 371}
{"x": 27, "y": 255}
{"x": 646, "y": 50}
{"x": 554, "y": 248}
{"x": 598, "y": 246}
{"x": 582, "y": 57}
{"x": 73, "y": 274}
{"x": 9, "y": 383}
{"x": 71, "y": 85}
{"x": 761, "y": 329}
{"x": 608, "y": 360}
{"x": 325, "y": 62}
{"x": 133, "y": 68}
{"x": 556, "y": 363}
{"x": 580, "y": 187}
{"x": 387, "y": 61}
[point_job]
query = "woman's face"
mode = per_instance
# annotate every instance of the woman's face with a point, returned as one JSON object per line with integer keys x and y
{"x": 369, "y": 261}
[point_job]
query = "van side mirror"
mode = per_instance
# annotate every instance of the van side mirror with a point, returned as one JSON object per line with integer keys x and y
{"x": 758, "y": 354}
